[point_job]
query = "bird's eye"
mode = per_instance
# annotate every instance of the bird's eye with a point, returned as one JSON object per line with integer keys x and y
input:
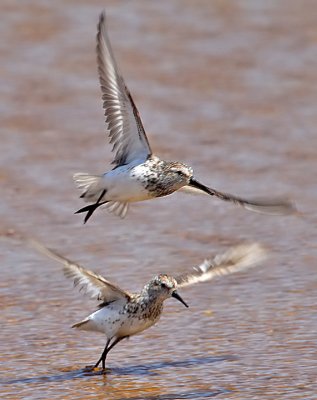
{"x": 163, "y": 285}
{"x": 179, "y": 172}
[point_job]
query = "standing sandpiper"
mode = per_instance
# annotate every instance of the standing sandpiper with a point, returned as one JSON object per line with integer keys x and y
{"x": 122, "y": 314}
{"x": 139, "y": 174}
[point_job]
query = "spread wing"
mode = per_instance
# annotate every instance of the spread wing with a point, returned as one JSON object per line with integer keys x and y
{"x": 269, "y": 206}
{"x": 94, "y": 285}
{"x": 234, "y": 260}
{"x": 125, "y": 127}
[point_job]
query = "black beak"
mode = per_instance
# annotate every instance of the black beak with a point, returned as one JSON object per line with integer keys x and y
{"x": 200, "y": 186}
{"x": 178, "y": 297}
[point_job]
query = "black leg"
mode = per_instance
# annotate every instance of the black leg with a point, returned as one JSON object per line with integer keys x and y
{"x": 116, "y": 341}
{"x": 106, "y": 351}
{"x": 103, "y": 355}
{"x": 92, "y": 207}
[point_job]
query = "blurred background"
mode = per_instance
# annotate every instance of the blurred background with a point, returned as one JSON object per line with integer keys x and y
{"x": 226, "y": 86}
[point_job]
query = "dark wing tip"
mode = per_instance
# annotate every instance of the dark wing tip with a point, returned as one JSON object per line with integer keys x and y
{"x": 101, "y": 26}
{"x": 102, "y": 17}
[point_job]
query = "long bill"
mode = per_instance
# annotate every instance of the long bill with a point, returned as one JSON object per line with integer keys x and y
{"x": 264, "y": 206}
{"x": 178, "y": 297}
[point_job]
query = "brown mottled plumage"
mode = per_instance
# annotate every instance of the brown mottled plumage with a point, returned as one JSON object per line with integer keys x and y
{"x": 122, "y": 314}
{"x": 138, "y": 174}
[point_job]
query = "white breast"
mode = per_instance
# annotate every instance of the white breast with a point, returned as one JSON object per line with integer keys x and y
{"x": 109, "y": 321}
{"x": 133, "y": 325}
{"x": 123, "y": 186}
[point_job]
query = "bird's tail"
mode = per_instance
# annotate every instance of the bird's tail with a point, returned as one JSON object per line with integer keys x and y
{"x": 94, "y": 191}
{"x": 85, "y": 325}
{"x": 90, "y": 185}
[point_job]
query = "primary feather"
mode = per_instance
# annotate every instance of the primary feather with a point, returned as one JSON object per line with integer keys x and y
{"x": 234, "y": 260}
{"x": 125, "y": 127}
{"x": 94, "y": 285}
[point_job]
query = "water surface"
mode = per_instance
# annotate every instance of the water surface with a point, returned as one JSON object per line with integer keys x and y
{"x": 226, "y": 86}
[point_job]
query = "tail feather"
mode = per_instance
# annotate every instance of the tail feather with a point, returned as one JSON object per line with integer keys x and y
{"x": 85, "y": 325}
{"x": 93, "y": 191}
{"x": 89, "y": 184}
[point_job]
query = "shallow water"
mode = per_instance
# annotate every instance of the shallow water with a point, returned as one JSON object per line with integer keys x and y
{"x": 226, "y": 86}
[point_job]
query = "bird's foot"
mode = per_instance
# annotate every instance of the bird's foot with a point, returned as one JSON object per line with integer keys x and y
{"x": 92, "y": 369}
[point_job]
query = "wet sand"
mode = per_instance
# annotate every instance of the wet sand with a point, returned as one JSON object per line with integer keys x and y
{"x": 228, "y": 87}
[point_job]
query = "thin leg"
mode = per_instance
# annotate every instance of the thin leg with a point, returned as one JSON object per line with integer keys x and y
{"x": 103, "y": 355}
{"x": 106, "y": 351}
{"x": 92, "y": 207}
{"x": 101, "y": 196}
{"x": 116, "y": 341}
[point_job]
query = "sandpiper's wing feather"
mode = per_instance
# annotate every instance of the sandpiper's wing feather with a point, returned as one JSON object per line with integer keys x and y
{"x": 94, "y": 285}
{"x": 274, "y": 206}
{"x": 125, "y": 127}
{"x": 236, "y": 259}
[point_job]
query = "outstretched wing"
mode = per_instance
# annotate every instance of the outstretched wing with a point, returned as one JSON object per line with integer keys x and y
{"x": 234, "y": 260}
{"x": 94, "y": 285}
{"x": 125, "y": 127}
{"x": 269, "y": 206}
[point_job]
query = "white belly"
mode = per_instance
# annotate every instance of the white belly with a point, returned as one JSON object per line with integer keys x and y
{"x": 132, "y": 326}
{"x": 108, "y": 321}
{"x": 124, "y": 187}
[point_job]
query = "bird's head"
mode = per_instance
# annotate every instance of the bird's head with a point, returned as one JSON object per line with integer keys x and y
{"x": 161, "y": 287}
{"x": 180, "y": 174}
{"x": 183, "y": 175}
